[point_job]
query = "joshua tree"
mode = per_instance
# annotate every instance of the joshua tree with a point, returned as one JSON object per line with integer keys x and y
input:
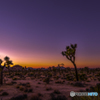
{"x": 1, "y": 72}
{"x": 70, "y": 55}
{"x": 8, "y": 63}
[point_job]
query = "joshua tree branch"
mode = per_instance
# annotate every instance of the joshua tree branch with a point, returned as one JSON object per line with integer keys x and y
{"x": 68, "y": 57}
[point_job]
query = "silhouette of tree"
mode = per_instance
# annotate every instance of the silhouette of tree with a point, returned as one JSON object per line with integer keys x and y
{"x": 1, "y": 72}
{"x": 8, "y": 63}
{"x": 70, "y": 55}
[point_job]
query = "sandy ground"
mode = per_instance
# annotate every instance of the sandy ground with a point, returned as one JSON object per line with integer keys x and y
{"x": 64, "y": 88}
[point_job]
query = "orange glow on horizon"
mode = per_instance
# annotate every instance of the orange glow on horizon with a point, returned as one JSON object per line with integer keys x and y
{"x": 45, "y": 61}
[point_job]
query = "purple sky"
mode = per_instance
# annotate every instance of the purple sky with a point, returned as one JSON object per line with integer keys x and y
{"x": 35, "y": 32}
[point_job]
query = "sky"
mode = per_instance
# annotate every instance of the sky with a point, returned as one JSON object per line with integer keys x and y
{"x": 33, "y": 33}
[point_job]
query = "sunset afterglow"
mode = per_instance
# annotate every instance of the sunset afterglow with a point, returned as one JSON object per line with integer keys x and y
{"x": 33, "y": 34}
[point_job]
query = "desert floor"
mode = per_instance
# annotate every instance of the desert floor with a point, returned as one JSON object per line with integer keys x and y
{"x": 39, "y": 86}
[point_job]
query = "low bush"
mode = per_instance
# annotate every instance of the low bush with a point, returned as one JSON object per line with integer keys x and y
{"x": 59, "y": 97}
{"x": 35, "y": 97}
{"x": 14, "y": 78}
{"x": 48, "y": 88}
{"x": 5, "y": 93}
{"x": 56, "y": 91}
{"x": 47, "y": 80}
{"x": 19, "y": 97}
{"x": 21, "y": 88}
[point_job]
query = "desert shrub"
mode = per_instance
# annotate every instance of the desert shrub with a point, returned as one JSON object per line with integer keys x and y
{"x": 28, "y": 85}
{"x": 37, "y": 86}
{"x": 9, "y": 83}
{"x": 97, "y": 88}
{"x": 57, "y": 77}
{"x": 48, "y": 88}
{"x": 21, "y": 88}
{"x": 70, "y": 78}
{"x": 11, "y": 76}
{"x": 32, "y": 78}
{"x": 19, "y": 97}
{"x": 59, "y": 97}
{"x": 47, "y": 80}
{"x": 61, "y": 82}
{"x": 88, "y": 81}
{"x": 78, "y": 84}
{"x": 30, "y": 90}
{"x": 98, "y": 79}
{"x": 1, "y": 90}
{"x": 56, "y": 91}
{"x": 25, "y": 90}
{"x": 23, "y": 84}
{"x": 40, "y": 95}
{"x": 97, "y": 74}
{"x": 5, "y": 93}
{"x": 17, "y": 73}
{"x": 13, "y": 82}
{"x": 50, "y": 74}
{"x": 67, "y": 74}
{"x": 31, "y": 74}
{"x": 14, "y": 78}
{"x": 82, "y": 77}
{"x": 82, "y": 90}
{"x": 17, "y": 86}
{"x": 39, "y": 83}
{"x": 86, "y": 98}
{"x": 87, "y": 89}
{"x": 35, "y": 97}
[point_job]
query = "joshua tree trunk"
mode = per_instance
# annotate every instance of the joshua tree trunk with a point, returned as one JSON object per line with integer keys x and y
{"x": 9, "y": 70}
{"x": 76, "y": 71}
{"x": 1, "y": 78}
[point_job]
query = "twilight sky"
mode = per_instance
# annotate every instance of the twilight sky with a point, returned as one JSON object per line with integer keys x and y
{"x": 33, "y": 33}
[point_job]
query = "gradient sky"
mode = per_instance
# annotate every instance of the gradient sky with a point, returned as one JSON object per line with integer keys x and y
{"x": 33, "y": 33}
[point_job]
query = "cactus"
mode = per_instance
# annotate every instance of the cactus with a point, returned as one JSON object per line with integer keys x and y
{"x": 70, "y": 55}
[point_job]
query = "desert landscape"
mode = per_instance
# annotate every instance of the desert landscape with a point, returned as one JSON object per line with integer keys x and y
{"x": 48, "y": 84}
{"x": 49, "y": 49}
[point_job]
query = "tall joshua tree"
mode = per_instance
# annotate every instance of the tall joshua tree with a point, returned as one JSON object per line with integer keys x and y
{"x": 8, "y": 63}
{"x": 70, "y": 55}
{"x": 1, "y": 72}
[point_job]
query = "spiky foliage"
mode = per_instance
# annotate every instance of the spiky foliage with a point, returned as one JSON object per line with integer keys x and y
{"x": 70, "y": 55}
{"x": 6, "y": 58}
